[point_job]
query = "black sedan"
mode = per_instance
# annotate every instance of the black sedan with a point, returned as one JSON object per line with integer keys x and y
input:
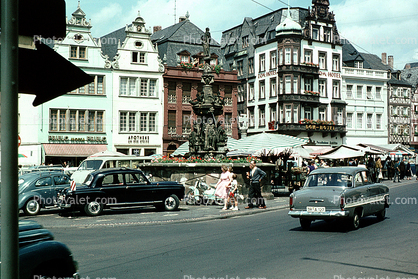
{"x": 120, "y": 187}
{"x": 39, "y": 189}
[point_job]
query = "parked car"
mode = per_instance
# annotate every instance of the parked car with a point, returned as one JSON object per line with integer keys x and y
{"x": 120, "y": 187}
{"x": 339, "y": 193}
{"x": 40, "y": 256}
{"x": 39, "y": 190}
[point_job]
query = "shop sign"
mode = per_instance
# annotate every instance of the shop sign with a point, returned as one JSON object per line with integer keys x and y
{"x": 320, "y": 127}
{"x": 68, "y": 139}
{"x": 138, "y": 139}
{"x": 320, "y": 142}
{"x": 329, "y": 74}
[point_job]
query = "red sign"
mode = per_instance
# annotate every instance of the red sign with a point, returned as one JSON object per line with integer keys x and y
{"x": 19, "y": 141}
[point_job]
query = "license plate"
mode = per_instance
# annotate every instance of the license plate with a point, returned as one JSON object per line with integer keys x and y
{"x": 315, "y": 209}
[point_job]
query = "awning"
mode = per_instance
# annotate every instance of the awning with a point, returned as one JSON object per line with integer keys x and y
{"x": 72, "y": 150}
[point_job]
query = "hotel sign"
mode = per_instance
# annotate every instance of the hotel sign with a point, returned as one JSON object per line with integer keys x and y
{"x": 268, "y": 74}
{"x": 329, "y": 74}
{"x": 320, "y": 127}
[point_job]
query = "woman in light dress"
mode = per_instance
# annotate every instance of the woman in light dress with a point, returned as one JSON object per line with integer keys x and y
{"x": 222, "y": 189}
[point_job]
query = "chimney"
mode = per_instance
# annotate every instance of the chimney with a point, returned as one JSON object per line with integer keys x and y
{"x": 390, "y": 61}
{"x": 157, "y": 28}
{"x": 384, "y": 55}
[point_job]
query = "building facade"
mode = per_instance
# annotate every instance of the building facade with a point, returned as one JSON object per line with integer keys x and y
{"x": 180, "y": 47}
{"x": 137, "y": 89}
{"x": 297, "y": 66}
{"x": 410, "y": 74}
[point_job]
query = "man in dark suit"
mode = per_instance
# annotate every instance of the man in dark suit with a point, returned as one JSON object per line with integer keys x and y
{"x": 255, "y": 176}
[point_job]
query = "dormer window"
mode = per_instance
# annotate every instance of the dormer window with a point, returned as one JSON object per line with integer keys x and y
{"x": 78, "y": 37}
{"x": 358, "y": 64}
{"x": 138, "y": 44}
{"x": 315, "y": 33}
{"x": 185, "y": 58}
{"x": 138, "y": 57}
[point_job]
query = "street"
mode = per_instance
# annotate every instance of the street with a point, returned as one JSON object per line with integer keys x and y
{"x": 269, "y": 244}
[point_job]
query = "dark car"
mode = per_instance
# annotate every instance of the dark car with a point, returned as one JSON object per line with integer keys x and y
{"x": 40, "y": 256}
{"x": 39, "y": 189}
{"x": 120, "y": 187}
{"x": 347, "y": 193}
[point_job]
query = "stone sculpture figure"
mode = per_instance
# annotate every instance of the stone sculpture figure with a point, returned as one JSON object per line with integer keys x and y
{"x": 206, "y": 43}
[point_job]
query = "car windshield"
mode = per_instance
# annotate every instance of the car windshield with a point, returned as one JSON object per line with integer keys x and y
{"x": 90, "y": 165}
{"x": 329, "y": 179}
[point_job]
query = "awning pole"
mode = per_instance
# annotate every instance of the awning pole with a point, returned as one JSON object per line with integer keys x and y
{"x": 9, "y": 140}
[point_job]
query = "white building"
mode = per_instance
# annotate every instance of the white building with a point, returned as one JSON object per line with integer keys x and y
{"x": 365, "y": 91}
{"x": 137, "y": 90}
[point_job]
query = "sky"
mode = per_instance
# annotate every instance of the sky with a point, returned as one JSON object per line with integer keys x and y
{"x": 373, "y": 26}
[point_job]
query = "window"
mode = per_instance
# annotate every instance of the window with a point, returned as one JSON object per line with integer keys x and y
{"x": 273, "y": 113}
{"x": 315, "y": 33}
{"x": 273, "y": 60}
{"x": 139, "y": 57}
{"x": 295, "y": 56}
{"x": 273, "y": 87}
{"x": 327, "y": 35}
{"x": 251, "y": 117}
{"x": 308, "y": 84}
{"x": 287, "y": 59}
{"x": 251, "y": 92}
{"x": 378, "y": 121}
{"x": 322, "y": 60}
{"x": 295, "y": 114}
{"x": 78, "y": 52}
{"x": 358, "y": 64}
{"x": 245, "y": 42}
{"x": 128, "y": 121}
{"x": 369, "y": 121}
{"x": 295, "y": 85}
{"x": 323, "y": 87}
{"x": 288, "y": 113}
{"x": 323, "y": 114}
{"x": 68, "y": 120}
{"x": 262, "y": 116}
{"x": 349, "y": 120}
{"x": 281, "y": 89}
{"x": 349, "y": 91}
{"x": 288, "y": 85}
{"x": 308, "y": 56}
{"x": 262, "y": 62}
{"x": 369, "y": 92}
{"x": 359, "y": 92}
{"x": 240, "y": 68}
{"x": 340, "y": 113}
{"x": 281, "y": 57}
{"x": 94, "y": 88}
{"x": 250, "y": 66}
{"x": 378, "y": 93}
{"x": 308, "y": 113}
{"x": 262, "y": 93}
{"x": 336, "y": 63}
{"x": 185, "y": 58}
{"x": 129, "y": 85}
{"x": 336, "y": 89}
{"x": 359, "y": 121}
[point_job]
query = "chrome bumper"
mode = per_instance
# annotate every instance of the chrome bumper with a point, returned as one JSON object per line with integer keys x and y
{"x": 318, "y": 215}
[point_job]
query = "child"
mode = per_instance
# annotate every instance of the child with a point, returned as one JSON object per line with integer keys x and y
{"x": 233, "y": 192}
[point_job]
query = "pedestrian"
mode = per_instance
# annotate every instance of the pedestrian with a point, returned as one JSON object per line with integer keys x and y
{"x": 402, "y": 168}
{"x": 311, "y": 167}
{"x": 233, "y": 193}
{"x": 408, "y": 172}
{"x": 379, "y": 173}
{"x": 397, "y": 171}
{"x": 222, "y": 190}
{"x": 371, "y": 165}
{"x": 255, "y": 175}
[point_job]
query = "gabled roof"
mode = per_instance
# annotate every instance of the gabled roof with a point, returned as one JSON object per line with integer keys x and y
{"x": 110, "y": 48}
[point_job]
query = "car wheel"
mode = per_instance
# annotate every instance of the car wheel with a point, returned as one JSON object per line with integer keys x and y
{"x": 305, "y": 224}
{"x": 32, "y": 207}
{"x": 381, "y": 215}
{"x": 190, "y": 198}
{"x": 171, "y": 203}
{"x": 93, "y": 208}
{"x": 355, "y": 221}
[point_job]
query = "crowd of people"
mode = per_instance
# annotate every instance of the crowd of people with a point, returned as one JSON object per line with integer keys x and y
{"x": 396, "y": 169}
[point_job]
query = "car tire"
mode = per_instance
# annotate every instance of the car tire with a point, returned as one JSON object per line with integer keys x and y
{"x": 355, "y": 221}
{"x": 32, "y": 207}
{"x": 305, "y": 223}
{"x": 381, "y": 215}
{"x": 171, "y": 203}
{"x": 93, "y": 208}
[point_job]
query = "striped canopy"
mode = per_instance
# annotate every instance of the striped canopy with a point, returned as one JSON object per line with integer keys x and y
{"x": 267, "y": 141}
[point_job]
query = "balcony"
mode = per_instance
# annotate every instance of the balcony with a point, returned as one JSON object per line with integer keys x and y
{"x": 307, "y": 68}
{"x": 297, "y": 128}
{"x": 403, "y": 139}
{"x": 172, "y": 130}
{"x": 305, "y": 98}
{"x": 172, "y": 99}
{"x": 365, "y": 73}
